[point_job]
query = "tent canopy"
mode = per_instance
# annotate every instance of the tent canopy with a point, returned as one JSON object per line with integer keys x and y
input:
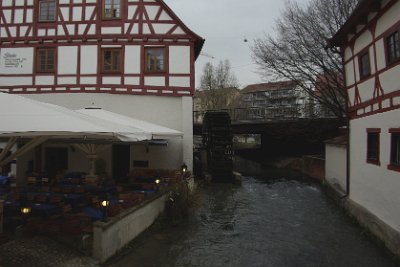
{"x": 154, "y": 131}
{"x": 23, "y": 117}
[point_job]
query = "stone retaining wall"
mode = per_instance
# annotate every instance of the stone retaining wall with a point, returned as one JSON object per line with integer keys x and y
{"x": 111, "y": 236}
{"x": 379, "y": 229}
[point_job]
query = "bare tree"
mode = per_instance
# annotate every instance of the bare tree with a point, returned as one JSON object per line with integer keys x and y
{"x": 218, "y": 87}
{"x": 298, "y": 51}
{"x": 218, "y": 77}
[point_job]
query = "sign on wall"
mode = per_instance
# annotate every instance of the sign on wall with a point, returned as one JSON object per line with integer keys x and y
{"x": 16, "y": 61}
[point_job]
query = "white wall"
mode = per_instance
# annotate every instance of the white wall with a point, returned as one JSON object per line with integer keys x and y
{"x": 179, "y": 59}
{"x": 375, "y": 187}
{"x": 335, "y": 165}
{"x": 16, "y": 60}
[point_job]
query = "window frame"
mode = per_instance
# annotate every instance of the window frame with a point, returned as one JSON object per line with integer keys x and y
{"x": 120, "y": 65}
{"x": 360, "y": 64}
{"x": 394, "y": 132}
{"x": 47, "y": 17}
{"x": 103, "y": 15}
{"x": 37, "y": 59}
{"x": 150, "y": 71}
{"x": 389, "y": 61}
{"x": 373, "y": 132}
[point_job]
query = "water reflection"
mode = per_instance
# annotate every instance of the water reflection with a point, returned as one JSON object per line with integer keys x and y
{"x": 267, "y": 221}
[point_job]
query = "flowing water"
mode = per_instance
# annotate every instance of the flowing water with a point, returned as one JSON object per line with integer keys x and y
{"x": 275, "y": 218}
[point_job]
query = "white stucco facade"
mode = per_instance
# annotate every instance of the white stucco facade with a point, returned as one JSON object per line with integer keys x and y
{"x": 375, "y": 186}
{"x": 336, "y": 165}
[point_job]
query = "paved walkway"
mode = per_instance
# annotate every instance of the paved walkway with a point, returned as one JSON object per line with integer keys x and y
{"x": 41, "y": 252}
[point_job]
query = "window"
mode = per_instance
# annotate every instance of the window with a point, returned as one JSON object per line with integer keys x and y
{"x": 365, "y": 68}
{"x": 45, "y": 59}
{"x": 154, "y": 59}
{"x": 373, "y": 140}
{"x": 395, "y": 150}
{"x": 47, "y": 10}
{"x": 111, "y": 9}
{"x": 393, "y": 47}
{"x": 111, "y": 60}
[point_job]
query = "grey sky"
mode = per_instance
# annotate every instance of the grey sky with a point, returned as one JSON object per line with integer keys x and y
{"x": 225, "y": 24}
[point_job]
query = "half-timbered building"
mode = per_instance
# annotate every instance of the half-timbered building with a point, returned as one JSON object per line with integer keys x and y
{"x": 132, "y": 57}
{"x": 371, "y": 50}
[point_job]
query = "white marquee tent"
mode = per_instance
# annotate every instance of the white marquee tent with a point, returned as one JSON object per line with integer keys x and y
{"x": 153, "y": 130}
{"x": 27, "y": 118}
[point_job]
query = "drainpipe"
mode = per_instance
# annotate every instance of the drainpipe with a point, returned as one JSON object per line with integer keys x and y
{"x": 348, "y": 161}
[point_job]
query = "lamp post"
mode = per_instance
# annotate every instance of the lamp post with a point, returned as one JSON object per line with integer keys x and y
{"x": 25, "y": 210}
{"x": 184, "y": 168}
{"x": 157, "y": 182}
{"x": 105, "y": 203}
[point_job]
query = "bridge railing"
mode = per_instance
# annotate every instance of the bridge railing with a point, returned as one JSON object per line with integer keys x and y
{"x": 267, "y": 113}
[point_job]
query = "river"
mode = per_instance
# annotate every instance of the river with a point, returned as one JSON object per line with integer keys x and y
{"x": 275, "y": 218}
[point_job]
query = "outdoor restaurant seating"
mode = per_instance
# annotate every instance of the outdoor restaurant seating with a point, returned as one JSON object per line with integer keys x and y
{"x": 70, "y": 199}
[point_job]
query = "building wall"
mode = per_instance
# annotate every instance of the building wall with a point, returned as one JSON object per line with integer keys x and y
{"x": 335, "y": 165}
{"x": 380, "y": 90}
{"x": 375, "y": 186}
{"x": 78, "y": 70}
{"x": 78, "y": 34}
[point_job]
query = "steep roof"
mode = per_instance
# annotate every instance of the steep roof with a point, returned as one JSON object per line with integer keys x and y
{"x": 261, "y": 87}
{"x": 199, "y": 41}
{"x": 359, "y": 16}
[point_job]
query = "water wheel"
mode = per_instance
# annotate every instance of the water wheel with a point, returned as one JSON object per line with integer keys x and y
{"x": 217, "y": 139}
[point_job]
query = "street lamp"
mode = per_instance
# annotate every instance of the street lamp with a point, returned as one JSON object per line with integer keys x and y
{"x": 184, "y": 168}
{"x": 25, "y": 210}
{"x": 105, "y": 203}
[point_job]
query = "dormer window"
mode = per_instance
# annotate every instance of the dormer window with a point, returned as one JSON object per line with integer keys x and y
{"x": 111, "y": 9}
{"x": 393, "y": 47}
{"x": 47, "y": 10}
{"x": 365, "y": 67}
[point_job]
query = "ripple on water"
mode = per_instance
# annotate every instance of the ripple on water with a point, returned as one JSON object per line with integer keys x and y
{"x": 265, "y": 222}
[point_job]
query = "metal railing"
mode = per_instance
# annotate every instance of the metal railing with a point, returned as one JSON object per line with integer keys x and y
{"x": 267, "y": 113}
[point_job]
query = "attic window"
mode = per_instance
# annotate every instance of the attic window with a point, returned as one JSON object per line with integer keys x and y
{"x": 111, "y": 9}
{"x": 154, "y": 61}
{"x": 47, "y": 10}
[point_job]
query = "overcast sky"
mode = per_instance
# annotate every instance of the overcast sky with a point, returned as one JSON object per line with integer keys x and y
{"x": 225, "y": 24}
